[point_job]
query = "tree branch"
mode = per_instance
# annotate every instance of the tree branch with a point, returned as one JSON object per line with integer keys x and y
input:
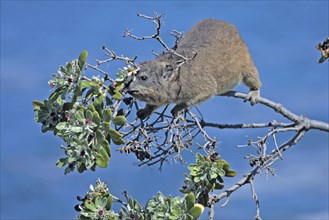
{"x": 277, "y": 107}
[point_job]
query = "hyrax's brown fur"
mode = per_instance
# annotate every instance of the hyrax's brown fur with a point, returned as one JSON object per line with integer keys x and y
{"x": 222, "y": 62}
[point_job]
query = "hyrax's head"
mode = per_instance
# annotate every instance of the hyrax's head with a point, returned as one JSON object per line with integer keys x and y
{"x": 151, "y": 83}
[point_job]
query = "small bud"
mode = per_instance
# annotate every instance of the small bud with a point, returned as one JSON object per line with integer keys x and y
{"x": 68, "y": 116}
{"x": 88, "y": 120}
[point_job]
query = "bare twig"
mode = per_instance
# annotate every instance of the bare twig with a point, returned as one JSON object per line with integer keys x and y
{"x": 253, "y": 125}
{"x": 178, "y": 35}
{"x": 255, "y": 197}
{"x": 268, "y": 160}
{"x": 211, "y": 142}
{"x": 212, "y": 212}
{"x": 113, "y": 56}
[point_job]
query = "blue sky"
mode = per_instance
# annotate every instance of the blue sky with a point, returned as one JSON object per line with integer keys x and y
{"x": 39, "y": 36}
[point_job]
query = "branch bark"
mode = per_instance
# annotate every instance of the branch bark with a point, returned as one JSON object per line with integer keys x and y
{"x": 277, "y": 107}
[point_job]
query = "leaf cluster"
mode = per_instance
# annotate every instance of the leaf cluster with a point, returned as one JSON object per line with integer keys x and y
{"x": 80, "y": 112}
{"x": 206, "y": 175}
{"x": 97, "y": 204}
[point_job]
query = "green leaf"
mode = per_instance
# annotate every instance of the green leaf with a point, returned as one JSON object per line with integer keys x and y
{"x": 131, "y": 202}
{"x": 196, "y": 211}
{"x": 101, "y": 162}
{"x": 230, "y": 173}
{"x": 108, "y": 101}
{"x": 196, "y": 179}
{"x": 220, "y": 179}
{"x": 63, "y": 69}
{"x": 105, "y": 144}
{"x": 96, "y": 119}
{"x": 89, "y": 94}
{"x": 226, "y": 165}
{"x": 68, "y": 68}
{"x": 53, "y": 96}
{"x": 119, "y": 120}
{"x": 213, "y": 175}
{"x": 102, "y": 159}
{"x": 84, "y": 84}
{"x": 89, "y": 114}
{"x": 61, "y": 162}
{"x": 61, "y": 126}
{"x": 109, "y": 203}
{"x": 107, "y": 115}
{"x": 91, "y": 107}
{"x": 79, "y": 115}
{"x": 82, "y": 108}
{"x": 116, "y": 136}
{"x": 100, "y": 137}
{"x": 98, "y": 104}
{"x": 82, "y": 59}
{"x": 118, "y": 87}
{"x": 322, "y": 59}
{"x": 117, "y": 96}
{"x": 90, "y": 205}
{"x": 190, "y": 200}
{"x": 106, "y": 126}
{"x": 37, "y": 104}
{"x": 81, "y": 167}
{"x": 67, "y": 106}
{"x": 98, "y": 201}
{"x": 219, "y": 186}
{"x": 76, "y": 129}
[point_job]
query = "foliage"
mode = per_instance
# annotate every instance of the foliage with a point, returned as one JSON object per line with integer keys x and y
{"x": 324, "y": 49}
{"x": 85, "y": 114}
{"x": 97, "y": 204}
{"x": 206, "y": 176}
{"x": 79, "y": 111}
{"x": 161, "y": 207}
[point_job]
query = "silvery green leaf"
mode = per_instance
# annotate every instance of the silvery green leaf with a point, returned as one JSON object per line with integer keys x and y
{"x": 76, "y": 129}
{"x": 61, "y": 126}
{"x": 89, "y": 114}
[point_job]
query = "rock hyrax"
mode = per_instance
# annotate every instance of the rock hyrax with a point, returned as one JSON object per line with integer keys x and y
{"x": 221, "y": 62}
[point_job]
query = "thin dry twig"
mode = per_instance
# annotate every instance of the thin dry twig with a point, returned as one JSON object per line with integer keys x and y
{"x": 156, "y": 19}
{"x": 255, "y": 197}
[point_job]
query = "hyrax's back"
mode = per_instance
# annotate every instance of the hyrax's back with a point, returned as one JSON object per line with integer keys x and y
{"x": 222, "y": 56}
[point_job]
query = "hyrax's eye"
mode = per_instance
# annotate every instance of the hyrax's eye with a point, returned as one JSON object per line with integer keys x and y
{"x": 143, "y": 78}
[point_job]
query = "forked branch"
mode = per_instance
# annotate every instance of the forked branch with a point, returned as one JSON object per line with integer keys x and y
{"x": 178, "y": 36}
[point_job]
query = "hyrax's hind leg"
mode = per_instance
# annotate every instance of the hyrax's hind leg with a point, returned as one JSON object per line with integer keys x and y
{"x": 252, "y": 81}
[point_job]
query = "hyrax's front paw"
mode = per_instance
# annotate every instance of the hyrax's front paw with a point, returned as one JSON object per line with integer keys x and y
{"x": 253, "y": 97}
{"x": 178, "y": 108}
{"x": 143, "y": 113}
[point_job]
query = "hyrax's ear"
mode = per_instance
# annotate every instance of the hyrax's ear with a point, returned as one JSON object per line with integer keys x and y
{"x": 168, "y": 72}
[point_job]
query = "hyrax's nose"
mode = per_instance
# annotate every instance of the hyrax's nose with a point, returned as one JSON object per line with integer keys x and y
{"x": 128, "y": 82}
